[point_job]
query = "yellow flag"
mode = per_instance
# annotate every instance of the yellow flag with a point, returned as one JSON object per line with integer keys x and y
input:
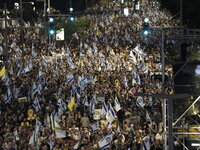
{"x": 2, "y": 71}
{"x": 95, "y": 78}
{"x": 116, "y": 83}
{"x": 71, "y": 104}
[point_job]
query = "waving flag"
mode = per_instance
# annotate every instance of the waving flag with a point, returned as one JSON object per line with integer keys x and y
{"x": 146, "y": 143}
{"x": 74, "y": 90}
{"x": 15, "y": 92}
{"x": 111, "y": 116}
{"x": 2, "y": 71}
{"x": 78, "y": 97}
{"x": 92, "y": 107}
{"x": 85, "y": 101}
{"x": 104, "y": 109}
{"x": 70, "y": 78}
{"x": 106, "y": 141}
{"x": 71, "y": 104}
{"x": 125, "y": 82}
{"x": 36, "y": 133}
{"x": 61, "y": 104}
{"x": 54, "y": 121}
{"x": 133, "y": 58}
{"x": 112, "y": 53}
{"x": 95, "y": 126}
{"x": 36, "y": 104}
{"x": 140, "y": 102}
{"x": 148, "y": 118}
{"x": 117, "y": 105}
{"x": 8, "y": 96}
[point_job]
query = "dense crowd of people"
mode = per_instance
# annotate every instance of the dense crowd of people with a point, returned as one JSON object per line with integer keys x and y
{"x": 81, "y": 95}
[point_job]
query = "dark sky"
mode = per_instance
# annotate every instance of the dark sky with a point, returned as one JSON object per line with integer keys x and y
{"x": 191, "y": 8}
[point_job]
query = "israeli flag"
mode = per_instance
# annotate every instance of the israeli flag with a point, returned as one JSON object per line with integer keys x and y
{"x": 34, "y": 89}
{"x": 84, "y": 83}
{"x": 117, "y": 105}
{"x": 16, "y": 136}
{"x": 125, "y": 82}
{"x": 36, "y": 134}
{"x": 40, "y": 75}
{"x": 110, "y": 116}
{"x": 15, "y": 92}
{"x": 136, "y": 50}
{"x": 36, "y": 104}
{"x": 133, "y": 58}
{"x": 71, "y": 64}
{"x": 85, "y": 101}
{"x": 6, "y": 79}
{"x": 51, "y": 144}
{"x": 138, "y": 79}
{"x": 148, "y": 118}
{"x": 74, "y": 89}
{"x": 95, "y": 126}
{"x": 78, "y": 97}
{"x": 106, "y": 141}
{"x": 92, "y": 79}
{"x": 146, "y": 143}
{"x": 92, "y": 107}
{"x": 104, "y": 109}
{"x": 70, "y": 78}
{"x": 61, "y": 104}
{"x": 140, "y": 102}
{"x": 8, "y": 96}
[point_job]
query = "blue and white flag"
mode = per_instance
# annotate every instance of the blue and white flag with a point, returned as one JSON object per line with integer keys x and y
{"x": 78, "y": 97}
{"x": 125, "y": 82}
{"x": 70, "y": 63}
{"x": 104, "y": 109}
{"x": 117, "y": 105}
{"x": 34, "y": 89}
{"x": 36, "y": 134}
{"x": 70, "y": 78}
{"x": 95, "y": 126}
{"x": 92, "y": 107}
{"x": 51, "y": 144}
{"x": 138, "y": 79}
{"x": 133, "y": 58}
{"x": 40, "y": 75}
{"x": 54, "y": 121}
{"x": 111, "y": 116}
{"x": 61, "y": 104}
{"x": 136, "y": 50}
{"x": 85, "y": 101}
{"x": 84, "y": 83}
{"x": 74, "y": 90}
{"x": 106, "y": 141}
{"x": 8, "y": 96}
{"x": 36, "y": 104}
{"x": 92, "y": 79}
{"x": 15, "y": 92}
{"x": 146, "y": 143}
{"x": 6, "y": 79}
{"x": 140, "y": 102}
{"x": 16, "y": 136}
{"x": 148, "y": 118}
